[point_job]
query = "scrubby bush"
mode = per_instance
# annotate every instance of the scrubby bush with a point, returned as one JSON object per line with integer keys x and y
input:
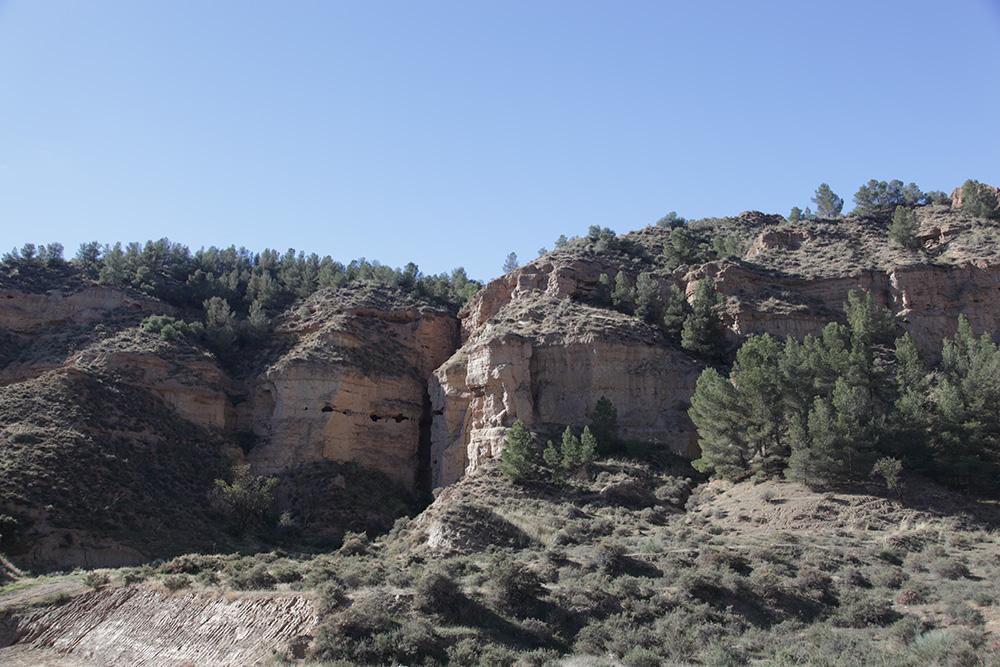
{"x": 437, "y": 593}
{"x": 515, "y": 587}
{"x": 246, "y": 577}
{"x": 859, "y": 609}
{"x": 170, "y": 328}
{"x": 354, "y": 544}
{"x": 96, "y": 580}
{"x": 247, "y": 500}
{"x": 176, "y": 582}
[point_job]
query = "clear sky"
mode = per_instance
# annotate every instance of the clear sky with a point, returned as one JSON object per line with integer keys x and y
{"x": 450, "y": 133}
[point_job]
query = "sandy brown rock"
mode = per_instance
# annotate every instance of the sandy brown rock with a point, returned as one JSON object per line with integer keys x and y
{"x": 354, "y": 387}
{"x": 546, "y": 361}
{"x": 28, "y": 312}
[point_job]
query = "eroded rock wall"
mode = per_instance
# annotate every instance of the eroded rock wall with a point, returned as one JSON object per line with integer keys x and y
{"x": 353, "y": 390}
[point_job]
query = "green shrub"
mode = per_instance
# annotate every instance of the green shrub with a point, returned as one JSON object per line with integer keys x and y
{"x": 256, "y": 577}
{"x": 437, "y": 593}
{"x": 96, "y": 580}
{"x": 859, "y": 610}
{"x": 170, "y": 328}
{"x": 515, "y": 587}
{"x": 354, "y": 544}
{"x": 176, "y": 582}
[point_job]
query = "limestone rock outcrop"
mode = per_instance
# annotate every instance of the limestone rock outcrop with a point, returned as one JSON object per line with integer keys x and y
{"x": 25, "y": 312}
{"x": 546, "y": 360}
{"x": 353, "y": 388}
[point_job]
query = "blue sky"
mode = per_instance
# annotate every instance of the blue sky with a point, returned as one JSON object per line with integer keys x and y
{"x": 450, "y": 133}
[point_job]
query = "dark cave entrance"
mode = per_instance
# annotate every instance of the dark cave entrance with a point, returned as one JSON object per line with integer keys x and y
{"x": 423, "y": 481}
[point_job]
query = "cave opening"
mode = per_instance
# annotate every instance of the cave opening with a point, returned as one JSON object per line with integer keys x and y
{"x": 326, "y": 408}
{"x": 424, "y": 447}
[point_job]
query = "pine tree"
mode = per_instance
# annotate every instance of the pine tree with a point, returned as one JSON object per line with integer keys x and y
{"x": 88, "y": 258}
{"x": 675, "y": 312}
{"x": 552, "y": 458}
{"x": 904, "y": 227}
{"x": 966, "y": 399}
{"x": 623, "y": 295}
{"x": 510, "y": 263}
{"x": 681, "y": 247}
{"x": 602, "y": 294}
{"x": 757, "y": 379}
{"x": 220, "y": 324}
{"x": 979, "y": 200}
{"x": 520, "y": 457}
{"x": 720, "y": 420}
{"x": 815, "y": 457}
{"x": 647, "y": 298}
{"x": 588, "y": 447}
{"x": 828, "y": 204}
{"x": 852, "y": 407}
{"x": 604, "y": 425}
{"x": 910, "y": 415}
{"x": 702, "y": 333}
{"x": 569, "y": 450}
{"x": 795, "y": 214}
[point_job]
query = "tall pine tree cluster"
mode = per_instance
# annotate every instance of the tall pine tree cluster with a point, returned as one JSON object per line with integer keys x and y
{"x": 824, "y": 409}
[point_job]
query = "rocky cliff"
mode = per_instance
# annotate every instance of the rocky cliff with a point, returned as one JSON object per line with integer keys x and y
{"x": 354, "y": 385}
{"x": 391, "y": 383}
{"x": 536, "y": 349}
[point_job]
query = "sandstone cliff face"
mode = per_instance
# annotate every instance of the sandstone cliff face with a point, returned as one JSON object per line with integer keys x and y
{"x": 184, "y": 377}
{"x": 546, "y": 360}
{"x": 533, "y": 351}
{"x": 353, "y": 388}
{"x": 26, "y": 312}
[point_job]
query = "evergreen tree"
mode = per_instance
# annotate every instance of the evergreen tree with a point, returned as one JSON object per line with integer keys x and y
{"x": 88, "y": 258}
{"x": 675, "y": 312}
{"x": 588, "y": 446}
{"x": 671, "y": 220}
{"x": 569, "y": 450}
{"x": 520, "y": 457}
{"x": 828, "y": 204}
{"x": 815, "y": 456}
{"x": 795, "y": 214}
{"x": 220, "y": 324}
{"x": 681, "y": 247}
{"x": 561, "y": 241}
{"x": 910, "y": 414}
{"x": 604, "y": 425}
{"x": 720, "y": 420}
{"x": 647, "y": 298}
{"x": 904, "y": 227}
{"x": 852, "y": 425}
{"x": 552, "y": 458}
{"x": 602, "y": 294}
{"x": 623, "y": 295}
{"x": 756, "y": 377}
{"x": 702, "y": 333}
{"x": 966, "y": 400}
{"x": 979, "y": 200}
{"x": 510, "y": 263}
